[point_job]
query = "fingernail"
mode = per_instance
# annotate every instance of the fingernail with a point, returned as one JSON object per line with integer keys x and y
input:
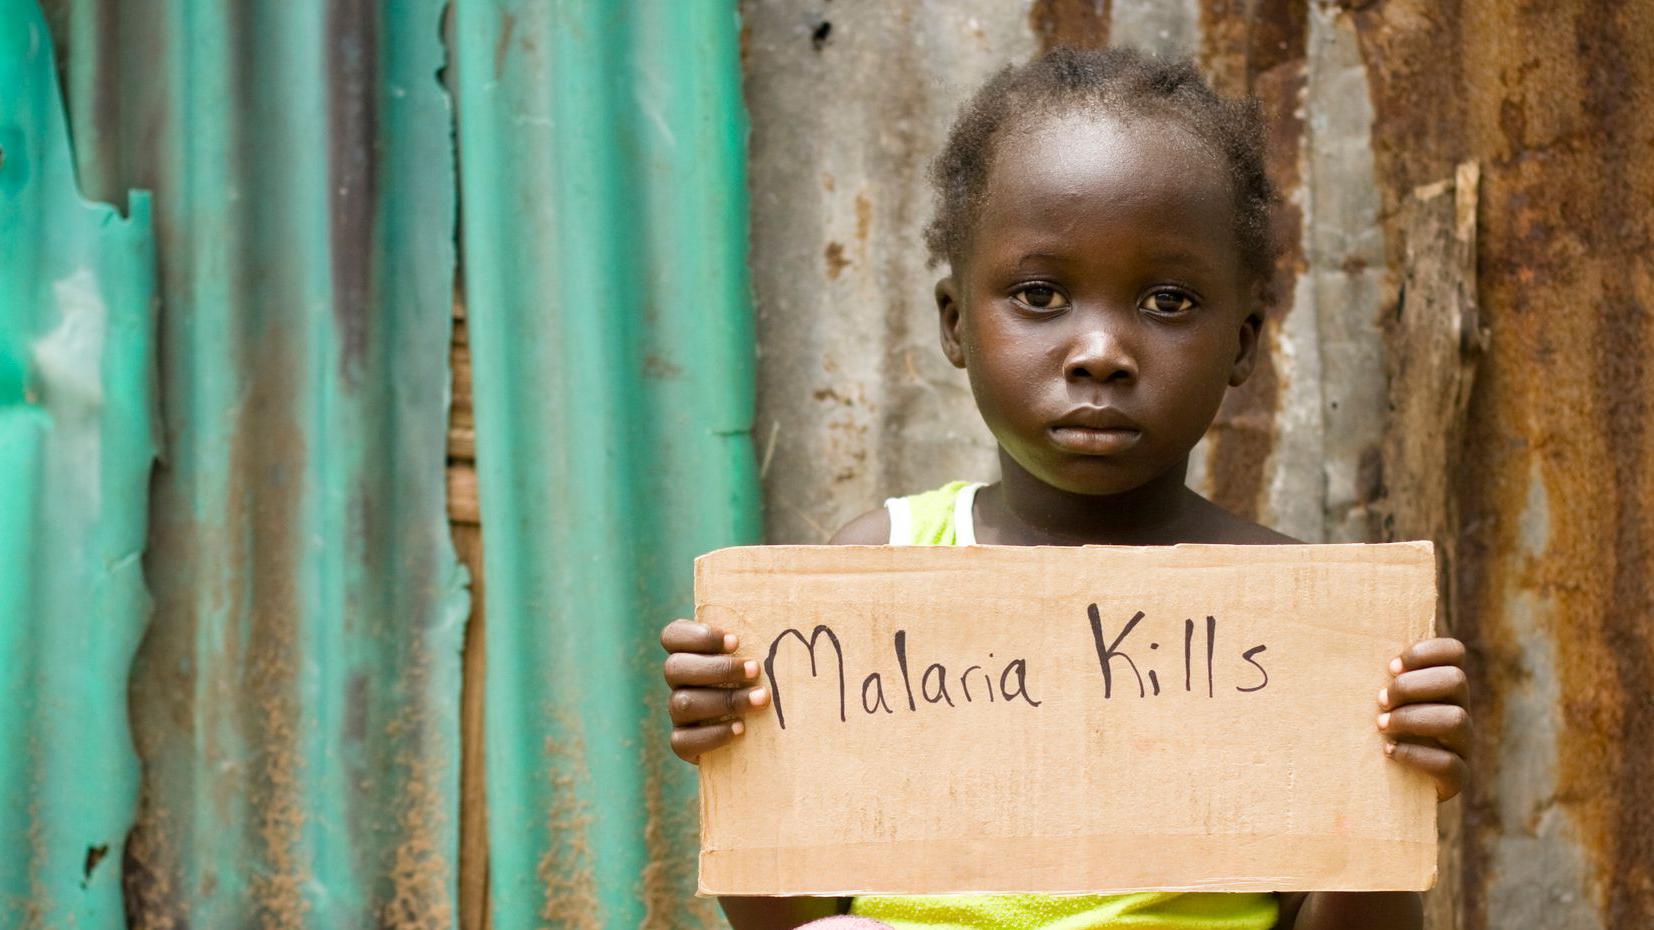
{"x": 758, "y": 697}
{"x": 1396, "y": 666}
{"x": 730, "y": 642}
{"x": 1383, "y": 721}
{"x": 1389, "y": 749}
{"x": 751, "y": 668}
{"x": 1383, "y": 697}
{"x": 737, "y": 728}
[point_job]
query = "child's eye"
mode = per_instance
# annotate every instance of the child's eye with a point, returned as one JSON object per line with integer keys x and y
{"x": 1168, "y": 302}
{"x": 1041, "y": 297}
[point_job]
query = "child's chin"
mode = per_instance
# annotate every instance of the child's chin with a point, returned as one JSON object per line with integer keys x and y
{"x": 1097, "y": 476}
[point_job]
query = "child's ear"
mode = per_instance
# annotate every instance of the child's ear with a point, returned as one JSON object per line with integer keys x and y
{"x": 1247, "y": 355}
{"x": 947, "y": 310}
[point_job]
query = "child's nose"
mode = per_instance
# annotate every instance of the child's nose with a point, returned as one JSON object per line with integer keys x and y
{"x": 1097, "y": 354}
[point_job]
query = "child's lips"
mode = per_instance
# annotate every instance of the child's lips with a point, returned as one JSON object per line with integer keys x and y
{"x": 1088, "y": 440}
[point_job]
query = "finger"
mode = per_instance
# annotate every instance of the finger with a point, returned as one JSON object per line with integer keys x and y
{"x": 687, "y": 668}
{"x": 694, "y": 705}
{"x": 1447, "y": 724}
{"x": 690, "y": 636}
{"x": 691, "y": 742}
{"x": 1443, "y": 650}
{"x": 1447, "y": 769}
{"x": 1438, "y": 684}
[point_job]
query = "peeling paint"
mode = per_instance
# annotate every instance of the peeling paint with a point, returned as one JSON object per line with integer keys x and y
{"x": 77, "y": 322}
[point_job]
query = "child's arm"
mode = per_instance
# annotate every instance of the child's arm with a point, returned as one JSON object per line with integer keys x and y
{"x": 1423, "y": 716}
{"x": 711, "y": 688}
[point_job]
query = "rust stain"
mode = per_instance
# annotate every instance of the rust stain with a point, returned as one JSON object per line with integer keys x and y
{"x": 502, "y": 45}
{"x": 1260, "y": 49}
{"x": 353, "y": 171}
{"x": 268, "y": 454}
{"x": 1552, "y": 99}
{"x": 1614, "y": 45}
{"x": 668, "y": 882}
{"x": 654, "y": 366}
{"x": 834, "y": 257}
{"x": 565, "y": 870}
{"x": 148, "y": 866}
{"x": 1078, "y": 23}
{"x": 418, "y": 870}
{"x": 864, "y": 218}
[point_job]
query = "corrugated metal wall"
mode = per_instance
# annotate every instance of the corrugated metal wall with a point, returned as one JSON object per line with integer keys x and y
{"x": 602, "y": 165}
{"x": 293, "y": 702}
{"x": 296, "y": 701}
{"x": 1382, "y": 112}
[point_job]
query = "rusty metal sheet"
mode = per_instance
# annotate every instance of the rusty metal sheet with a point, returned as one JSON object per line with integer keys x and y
{"x": 77, "y": 317}
{"x": 295, "y": 700}
{"x": 1556, "y": 485}
{"x": 609, "y": 326}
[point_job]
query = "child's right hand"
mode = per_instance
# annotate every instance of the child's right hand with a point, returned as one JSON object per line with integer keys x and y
{"x": 711, "y": 687}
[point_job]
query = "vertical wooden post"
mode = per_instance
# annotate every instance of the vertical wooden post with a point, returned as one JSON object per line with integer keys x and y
{"x": 465, "y": 522}
{"x": 1433, "y": 341}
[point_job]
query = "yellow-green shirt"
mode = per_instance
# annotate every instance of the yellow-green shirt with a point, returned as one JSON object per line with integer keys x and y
{"x": 943, "y": 518}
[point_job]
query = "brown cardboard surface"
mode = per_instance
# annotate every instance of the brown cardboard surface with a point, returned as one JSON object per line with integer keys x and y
{"x": 1031, "y": 774}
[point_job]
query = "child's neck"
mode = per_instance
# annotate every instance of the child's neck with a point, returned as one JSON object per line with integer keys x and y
{"x": 1025, "y": 511}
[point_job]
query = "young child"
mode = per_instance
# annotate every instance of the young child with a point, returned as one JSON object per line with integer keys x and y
{"x": 1104, "y": 219}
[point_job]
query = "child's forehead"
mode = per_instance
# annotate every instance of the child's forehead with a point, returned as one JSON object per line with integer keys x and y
{"x": 1074, "y": 145}
{"x": 1070, "y": 157}
{"x": 1102, "y": 186}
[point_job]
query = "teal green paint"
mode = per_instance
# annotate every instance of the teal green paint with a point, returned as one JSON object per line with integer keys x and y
{"x": 77, "y": 284}
{"x": 295, "y": 701}
{"x": 602, "y": 155}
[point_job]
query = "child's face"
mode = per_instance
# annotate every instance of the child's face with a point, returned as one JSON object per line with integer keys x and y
{"x": 1101, "y": 309}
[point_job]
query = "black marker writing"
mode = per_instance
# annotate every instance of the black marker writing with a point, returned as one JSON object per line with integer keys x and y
{"x": 878, "y": 683}
{"x": 941, "y": 680}
{"x": 810, "y": 644}
{"x": 1106, "y": 656}
{"x": 1247, "y": 655}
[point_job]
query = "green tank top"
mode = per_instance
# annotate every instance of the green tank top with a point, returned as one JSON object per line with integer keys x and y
{"x": 943, "y": 518}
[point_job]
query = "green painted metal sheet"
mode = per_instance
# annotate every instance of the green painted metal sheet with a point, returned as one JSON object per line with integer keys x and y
{"x": 77, "y": 316}
{"x": 604, "y": 232}
{"x": 295, "y": 700}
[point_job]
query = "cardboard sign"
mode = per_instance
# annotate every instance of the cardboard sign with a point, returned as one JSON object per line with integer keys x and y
{"x": 1055, "y": 719}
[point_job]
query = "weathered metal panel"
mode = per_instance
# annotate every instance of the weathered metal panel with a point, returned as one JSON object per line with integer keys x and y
{"x": 602, "y": 168}
{"x": 77, "y": 316}
{"x": 295, "y": 699}
{"x": 1556, "y": 485}
{"x": 849, "y": 103}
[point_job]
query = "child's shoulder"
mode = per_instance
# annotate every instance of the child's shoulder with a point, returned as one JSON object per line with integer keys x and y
{"x": 870, "y": 529}
{"x": 1218, "y": 524}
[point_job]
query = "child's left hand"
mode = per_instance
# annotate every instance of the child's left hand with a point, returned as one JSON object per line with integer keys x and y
{"x": 1423, "y": 712}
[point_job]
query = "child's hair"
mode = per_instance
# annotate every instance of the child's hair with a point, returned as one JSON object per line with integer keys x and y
{"x": 1118, "y": 80}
